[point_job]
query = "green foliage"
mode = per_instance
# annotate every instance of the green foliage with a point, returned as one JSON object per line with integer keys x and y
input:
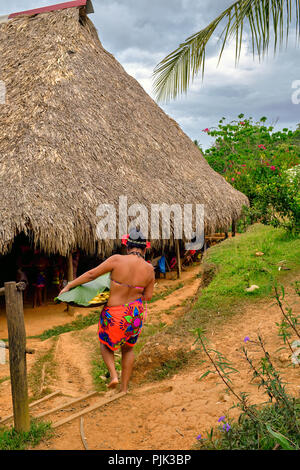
{"x": 275, "y": 425}
{"x": 83, "y": 294}
{"x": 246, "y": 434}
{"x": 257, "y": 161}
{"x": 12, "y": 440}
{"x": 263, "y": 17}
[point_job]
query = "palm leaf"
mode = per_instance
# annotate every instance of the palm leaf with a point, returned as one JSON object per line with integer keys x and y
{"x": 174, "y": 73}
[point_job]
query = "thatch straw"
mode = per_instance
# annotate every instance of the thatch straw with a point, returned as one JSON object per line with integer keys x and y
{"x": 76, "y": 131}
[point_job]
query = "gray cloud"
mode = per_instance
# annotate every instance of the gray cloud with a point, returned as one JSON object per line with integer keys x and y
{"x": 140, "y": 33}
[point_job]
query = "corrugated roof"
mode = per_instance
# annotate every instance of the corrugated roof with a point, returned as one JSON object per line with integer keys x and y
{"x": 58, "y": 6}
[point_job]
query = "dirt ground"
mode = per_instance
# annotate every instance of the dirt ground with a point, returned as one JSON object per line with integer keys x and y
{"x": 169, "y": 414}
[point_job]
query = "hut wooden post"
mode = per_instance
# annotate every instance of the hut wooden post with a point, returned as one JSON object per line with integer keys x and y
{"x": 70, "y": 268}
{"x": 178, "y": 259}
{"x": 233, "y": 228}
{"x": 70, "y": 277}
{"x": 17, "y": 355}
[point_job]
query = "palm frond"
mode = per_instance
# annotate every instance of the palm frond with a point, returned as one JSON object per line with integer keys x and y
{"x": 174, "y": 73}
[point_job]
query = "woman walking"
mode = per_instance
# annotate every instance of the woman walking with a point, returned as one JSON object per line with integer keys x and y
{"x": 121, "y": 320}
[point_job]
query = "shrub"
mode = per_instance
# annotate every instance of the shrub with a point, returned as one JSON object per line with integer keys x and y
{"x": 255, "y": 160}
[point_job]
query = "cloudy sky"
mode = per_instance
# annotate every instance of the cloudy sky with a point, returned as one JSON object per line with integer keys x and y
{"x": 140, "y": 33}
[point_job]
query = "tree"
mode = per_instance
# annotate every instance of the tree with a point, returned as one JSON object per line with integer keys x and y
{"x": 174, "y": 73}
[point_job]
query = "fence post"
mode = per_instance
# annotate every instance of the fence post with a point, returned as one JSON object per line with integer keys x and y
{"x": 17, "y": 355}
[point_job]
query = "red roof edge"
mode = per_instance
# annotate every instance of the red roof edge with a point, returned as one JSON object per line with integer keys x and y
{"x": 58, "y": 6}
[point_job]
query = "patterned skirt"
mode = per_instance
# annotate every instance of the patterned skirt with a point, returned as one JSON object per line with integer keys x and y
{"x": 121, "y": 324}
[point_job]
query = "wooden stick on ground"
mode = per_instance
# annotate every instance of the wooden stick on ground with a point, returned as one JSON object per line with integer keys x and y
{"x": 87, "y": 410}
{"x": 65, "y": 405}
{"x": 83, "y": 438}
{"x": 35, "y": 403}
{"x": 27, "y": 350}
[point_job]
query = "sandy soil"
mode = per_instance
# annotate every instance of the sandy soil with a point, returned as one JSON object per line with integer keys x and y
{"x": 169, "y": 414}
{"x": 72, "y": 352}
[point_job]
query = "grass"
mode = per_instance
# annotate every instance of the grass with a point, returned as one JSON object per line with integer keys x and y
{"x": 166, "y": 292}
{"x": 44, "y": 362}
{"x": 100, "y": 373}
{"x": 238, "y": 267}
{"x": 80, "y": 323}
{"x": 4, "y": 379}
{"x": 12, "y": 440}
{"x": 168, "y": 368}
{"x": 148, "y": 331}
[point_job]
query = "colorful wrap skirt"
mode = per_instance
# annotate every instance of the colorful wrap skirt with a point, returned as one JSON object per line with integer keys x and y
{"x": 121, "y": 324}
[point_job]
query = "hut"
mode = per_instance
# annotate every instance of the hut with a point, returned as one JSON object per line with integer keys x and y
{"x": 76, "y": 131}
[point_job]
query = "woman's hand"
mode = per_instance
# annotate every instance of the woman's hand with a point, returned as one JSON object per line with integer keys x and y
{"x": 65, "y": 289}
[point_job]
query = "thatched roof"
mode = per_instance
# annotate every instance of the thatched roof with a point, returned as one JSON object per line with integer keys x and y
{"x": 76, "y": 131}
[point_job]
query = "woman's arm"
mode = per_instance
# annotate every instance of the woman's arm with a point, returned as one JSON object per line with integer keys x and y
{"x": 148, "y": 292}
{"x": 103, "y": 268}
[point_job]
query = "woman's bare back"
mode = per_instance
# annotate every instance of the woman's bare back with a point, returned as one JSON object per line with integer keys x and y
{"x": 131, "y": 278}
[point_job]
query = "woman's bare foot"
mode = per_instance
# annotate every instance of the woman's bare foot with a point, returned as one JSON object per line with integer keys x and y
{"x": 113, "y": 383}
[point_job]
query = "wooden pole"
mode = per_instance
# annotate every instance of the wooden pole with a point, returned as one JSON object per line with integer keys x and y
{"x": 70, "y": 267}
{"x": 70, "y": 277}
{"x": 233, "y": 228}
{"x": 17, "y": 355}
{"x": 178, "y": 259}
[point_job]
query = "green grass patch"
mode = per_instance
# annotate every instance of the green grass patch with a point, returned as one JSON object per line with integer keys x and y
{"x": 168, "y": 368}
{"x": 80, "y": 323}
{"x": 100, "y": 373}
{"x": 4, "y": 379}
{"x": 166, "y": 292}
{"x": 44, "y": 362}
{"x": 13, "y": 440}
{"x": 238, "y": 268}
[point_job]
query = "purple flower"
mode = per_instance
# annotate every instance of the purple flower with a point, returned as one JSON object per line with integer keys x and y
{"x": 246, "y": 339}
{"x": 221, "y": 419}
{"x": 226, "y": 427}
{"x": 199, "y": 437}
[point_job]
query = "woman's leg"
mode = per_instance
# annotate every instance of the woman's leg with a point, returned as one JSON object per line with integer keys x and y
{"x": 127, "y": 366}
{"x": 109, "y": 359}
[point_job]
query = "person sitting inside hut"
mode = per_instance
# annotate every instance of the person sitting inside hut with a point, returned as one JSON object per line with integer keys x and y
{"x": 121, "y": 320}
{"x": 41, "y": 264}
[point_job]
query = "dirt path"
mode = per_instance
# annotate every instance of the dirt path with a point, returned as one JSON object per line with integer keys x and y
{"x": 170, "y": 414}
{"x": 74, "y": 350}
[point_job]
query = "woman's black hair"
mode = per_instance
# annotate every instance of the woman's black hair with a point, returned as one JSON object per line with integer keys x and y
{"x": 136, "y": 240}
